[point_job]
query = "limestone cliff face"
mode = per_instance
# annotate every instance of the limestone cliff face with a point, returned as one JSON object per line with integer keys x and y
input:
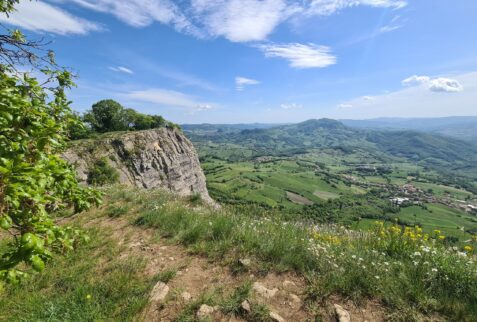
{"x": 158, "y": 158}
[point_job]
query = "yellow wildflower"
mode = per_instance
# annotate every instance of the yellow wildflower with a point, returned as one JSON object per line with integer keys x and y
{"x": 468, "y": 248}
{"x": 442, "y": 237}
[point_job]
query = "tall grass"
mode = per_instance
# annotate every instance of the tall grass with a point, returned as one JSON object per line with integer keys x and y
{"x": 90, "y": 284}
{"x": 410, "y": 272}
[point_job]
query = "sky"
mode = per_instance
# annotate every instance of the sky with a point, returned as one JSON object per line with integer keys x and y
{"x": 266, "y": 61}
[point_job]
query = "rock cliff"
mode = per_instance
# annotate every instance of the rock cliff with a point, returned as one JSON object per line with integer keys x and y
{"x": 158, "y": 158}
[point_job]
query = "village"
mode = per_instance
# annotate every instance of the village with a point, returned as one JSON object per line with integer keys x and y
{"x": 408, "y": 194}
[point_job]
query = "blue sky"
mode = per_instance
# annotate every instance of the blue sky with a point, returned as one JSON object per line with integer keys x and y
{"x": 220, "y": 61}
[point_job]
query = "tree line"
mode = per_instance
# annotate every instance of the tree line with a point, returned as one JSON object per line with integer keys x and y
{"x": 110, "y": 116}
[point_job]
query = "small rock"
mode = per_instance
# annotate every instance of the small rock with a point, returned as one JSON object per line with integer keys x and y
{"x": 246, "y": 306}
{"x": 342, "y": 314}
{"x": 263, "y": 291}
{"x": 205, "y": 311}
{"x": 159, "y": 292}
{"x": 245, "y": 262}
{"x": 186, "y": 296}
{"x": 275, "y": 317}
{"x": 171, "y": 258}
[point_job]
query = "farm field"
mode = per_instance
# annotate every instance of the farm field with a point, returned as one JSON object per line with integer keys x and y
{"x": 270, "y": 182}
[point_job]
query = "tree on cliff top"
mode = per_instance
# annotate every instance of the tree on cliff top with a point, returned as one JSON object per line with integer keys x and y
{"x": 110, "y": 116}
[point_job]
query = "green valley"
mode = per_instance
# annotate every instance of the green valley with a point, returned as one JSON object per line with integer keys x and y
{"x": 313, "y": 168}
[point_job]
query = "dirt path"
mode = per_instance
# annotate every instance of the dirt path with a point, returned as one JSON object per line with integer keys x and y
{"x": 283, "y": 294}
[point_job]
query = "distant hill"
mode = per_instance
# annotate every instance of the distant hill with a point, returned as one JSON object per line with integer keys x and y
{"x": 206, "y": 127}
{"x": 460, "y": 127}
{"x": 441, "y": 153}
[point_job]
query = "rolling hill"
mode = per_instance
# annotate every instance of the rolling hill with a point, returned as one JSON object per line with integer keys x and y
{"x": 443, "y": 154}
{"x": 459, "y": 127}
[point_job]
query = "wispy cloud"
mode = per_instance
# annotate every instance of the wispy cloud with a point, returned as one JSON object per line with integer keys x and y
{"x": 439, "y": 84}
{"x": 344, "y": 105}
{"x": 166, "y": 97}
{"x": 301, "y": 55}
{"x": 389, "y": 28}
{"x": 141, "y": 13}
{"x": 235, "y": 20}
{"x": 415, "y": 80}
{"x": 121, "y": 69}
{"x": 241, "y": 82}
{"x": 328, "y": 7}
{"x": 42, "y": 17}
{"x": 290, "y": 106}
{"x": 240, "y": 20}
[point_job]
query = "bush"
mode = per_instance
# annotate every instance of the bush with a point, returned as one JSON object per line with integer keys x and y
{"x": 102, "y": 173}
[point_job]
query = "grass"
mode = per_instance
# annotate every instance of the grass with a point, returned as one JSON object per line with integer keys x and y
{"x": 90, "y": 284}
{"x": 437, "y": 216}
{"x": 380, "y": 264}
{"x": 268, "y": 183}
{"x": 412, "y": 275}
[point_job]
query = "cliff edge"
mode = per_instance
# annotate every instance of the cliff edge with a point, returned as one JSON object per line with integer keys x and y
{"x": 158, "y": 158}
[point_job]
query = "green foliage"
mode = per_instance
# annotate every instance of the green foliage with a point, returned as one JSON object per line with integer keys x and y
{"x": 110, "y": 116}
{"x": 90, "y": 284}
{"x": 34, "y": 179}
{"x": 7, "y": 6}
{"x": 106, "y": 116}
{"x": 166, "y": 276}
{"x": 78, "y": 130}
{"x": 101, "y": 173}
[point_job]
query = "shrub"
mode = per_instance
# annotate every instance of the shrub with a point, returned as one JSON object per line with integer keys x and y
{"x": 102, "y": 173}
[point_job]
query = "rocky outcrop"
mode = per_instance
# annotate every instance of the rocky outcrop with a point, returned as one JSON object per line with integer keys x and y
{"x": 158, "y": 158}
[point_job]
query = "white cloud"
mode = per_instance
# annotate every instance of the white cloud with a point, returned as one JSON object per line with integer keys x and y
{"x": 440, "y": 84}
{"x": 417, "y": 101}
{"x": 121, "y": 69}
{"x": 42, "y": 17}
{"x": 235, "y": 20}
{"x": 141, "y": 13}
{"x": 291, "y": 106}
{"x": 389, "y": 28}
{"x": 369, "y": 98}
{"x": 415, "y": 80}
{"x": 240, "y": 20}
{"x": 241, "y": 82}
{"x": 343, "y": 105}
{"x": 167, "y": 97}
{"x": 328, "y": 7}
{"x": 301, "y": 55}
{"x": 204, "y": 107}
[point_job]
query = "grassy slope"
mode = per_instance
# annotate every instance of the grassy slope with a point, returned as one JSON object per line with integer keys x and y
{"x": 89, "y": 284}
{"x": 381, "y": 266}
